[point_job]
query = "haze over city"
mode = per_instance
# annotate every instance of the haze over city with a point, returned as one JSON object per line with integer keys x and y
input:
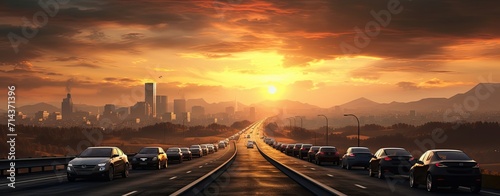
{"x": 249, "y": 51}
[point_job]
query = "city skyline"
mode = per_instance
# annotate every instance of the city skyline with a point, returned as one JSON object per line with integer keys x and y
{"x": 323, "y": 53}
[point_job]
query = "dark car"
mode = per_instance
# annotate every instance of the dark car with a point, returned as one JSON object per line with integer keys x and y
{"x": 311, "y": 154}
{"x": 327, "y": 154}
{"x": 175, "y": 153}
{"x": 356, "y": 157}
{"x": 390, "y": 161}
{"x": 444, "y": 167}
{"x": 222, "y": 145}
{"x": 196, "y": 150}
{"x": 283, "y": 147}
{"x": 304, "y": 149}
{"x": 100, "y": 162}
{"x": 186, "y": 153}
{"x": 150, "y": 157}
{"x": 204, "y": 149}
{"x": 216, "y": 147}
{"x": 289, "y": 149}
{"x": 296, "y": 149}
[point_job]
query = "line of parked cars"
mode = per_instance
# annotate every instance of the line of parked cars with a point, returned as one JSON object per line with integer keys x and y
{"x": 435, "y": 168}
{"x": 107, "y": 162}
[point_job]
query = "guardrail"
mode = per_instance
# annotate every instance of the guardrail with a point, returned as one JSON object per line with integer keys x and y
{"x": 317, "y": 188}
{"x": 195, "y": 187}
{"x": 30, "y": 163}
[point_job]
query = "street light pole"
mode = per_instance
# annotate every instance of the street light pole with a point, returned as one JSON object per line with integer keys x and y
{"x": 326, "y": 127}
{"x": 356, "y": 120}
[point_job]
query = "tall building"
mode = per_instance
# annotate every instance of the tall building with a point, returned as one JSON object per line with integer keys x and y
{"x": 161, "y": 105}
{"x": 198, "y": 112}
{"x": 150, "y": 97}
{"x": 140, "y": 110}
{"x": 109, "y": 109}
{"x": 179, "y": 106}
{"x": 67, "y": 107}
{"x": 41, "y": 116}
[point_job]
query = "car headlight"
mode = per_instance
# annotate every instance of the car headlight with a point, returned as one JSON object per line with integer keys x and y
{"x": 101, "y": 164}
{"x": 155, "y": 158}
{"x": 70, "y": 165}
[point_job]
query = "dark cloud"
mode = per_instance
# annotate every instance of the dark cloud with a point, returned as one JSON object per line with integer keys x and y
{"x": 408, "y": 85}
{"x": 85, "y": 65}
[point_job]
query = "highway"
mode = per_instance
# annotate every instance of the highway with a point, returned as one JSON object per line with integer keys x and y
{"x": 140, "y": 182}
{"x": 249, "y": 174}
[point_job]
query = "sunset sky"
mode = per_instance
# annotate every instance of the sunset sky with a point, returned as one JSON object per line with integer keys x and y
{"x": 310, "y": 51}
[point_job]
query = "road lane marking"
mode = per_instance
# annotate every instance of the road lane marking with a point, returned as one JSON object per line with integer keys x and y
{"x": 39, "y": 179}
{"x": 188, "y": 172}
{"x": 206, "y": 163}
{"x": 173, "y": 177}
{"x": 360, "y": 186}
{"x": 487, "y": 192}
{"x": 305, "y": 165}
{"x": 200, "y": 166}
{"x": 130, "y": 193}
{"x": 312, "y": 168}
{"x": 329, "y": 175}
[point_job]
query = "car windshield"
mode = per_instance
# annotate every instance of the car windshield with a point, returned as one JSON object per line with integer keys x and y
{"x": 452, "y": 155}
{"x": 184, "y": 149}
{"x": 396, "y": 152}
{"x": 195, "y": 146}
{"x": 306, "y": 146}
{"x": 149, "y": 151}
{"x": 360, "y": 150}
{"x": 204, "y": 146}
{"x": 96, "y": 152}
{"x": 173, "y": 150}
{"x": 328, "y": 150}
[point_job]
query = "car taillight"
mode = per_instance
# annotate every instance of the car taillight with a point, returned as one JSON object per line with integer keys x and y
{"x": 336, "y": 153}
{"x": 351, "y": 155}
{"x": 476, "y": 166}
{"x": 440, "y": 165}
{"x": 387, "y": 159}
{"x": 411, "y": 159}
{"x": 321, "y": 153}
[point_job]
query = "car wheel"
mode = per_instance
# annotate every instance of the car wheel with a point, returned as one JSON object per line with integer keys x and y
{"x": 125, "y": 171}
{"x": 413, "y": 184}
{"x": 70, "y": 178}
{"x": 166, "y": 164}
{"x": 111, "y": 173}
{"x": 430, "y": 183}
{"x": 380, "y": 173}
{"x": 476, "y": 188}
{"x": 370, "y": 172}
{"x": 159, "y": 165}
{"x": 349, "y": 167}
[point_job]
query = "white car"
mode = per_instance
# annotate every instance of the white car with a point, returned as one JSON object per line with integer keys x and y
{"x": 250, "y": 144}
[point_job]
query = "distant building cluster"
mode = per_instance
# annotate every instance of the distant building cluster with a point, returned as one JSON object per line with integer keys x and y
{"x": 153, "y": 109}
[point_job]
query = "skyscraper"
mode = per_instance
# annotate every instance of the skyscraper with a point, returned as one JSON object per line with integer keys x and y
{"x": 161, "y": 105}
{"x": 198, "y": 112}
{"x": 67, "y": 107}
{"x": 150, "y": 97}
{"x": 179, "y": 106}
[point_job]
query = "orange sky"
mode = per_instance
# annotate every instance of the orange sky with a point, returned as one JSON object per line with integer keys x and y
{"x": 309, "y": 51}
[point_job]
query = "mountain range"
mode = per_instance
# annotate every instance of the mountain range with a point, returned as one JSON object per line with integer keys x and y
{"x": 483, "y": 97}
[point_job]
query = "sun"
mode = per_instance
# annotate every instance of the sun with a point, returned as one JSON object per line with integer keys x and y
{"x": 271, "y": 90}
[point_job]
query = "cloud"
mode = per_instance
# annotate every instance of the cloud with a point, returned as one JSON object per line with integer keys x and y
{"x": 408, "y": 85}
{"x": 85, "y": 65}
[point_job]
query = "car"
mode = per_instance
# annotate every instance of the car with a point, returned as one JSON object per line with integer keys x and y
{"x": 356, "y": 157}
{"x": 283, "y": 147}
{"x": 445, "y": 167}
{"x": 311, "y": 154}
{"x": 249, "y": 144}
{"x": 103, "y": 162}
{"x": 296, "y": 149}
{"x": 175, "y": 153}
{"x": 304, "y": 149}
{"x": 222, "y": 145}
{"x": 248, "y": 136}
{"x": 390, "y": 161}
{"x": 186, "y": 153}
{"x": 204, "y": 149}
{"x": 150, "y": 157}
{"x": 327, "y": 154}
{"x": 289, "y": 149}
{"x": 211, "y": 149}
{"x": 216, "y": 147}
{"x": 196, "y": 150}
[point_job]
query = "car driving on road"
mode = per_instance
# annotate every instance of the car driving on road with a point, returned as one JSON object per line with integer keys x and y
{"x": 327, "y": 154}
{"x": 196, "y": 150}
{"x": 175, "y": 153}
{"x": 356, "y": 156}
{"x": 99, "y": 161}
{"x": 150, "y": 157}
{"x": 249, "y": 144}
{"x": 445, "y": 167}
{"x": 304, "y": 149}
{"x": 312, "y": 153}
{"x": 186, "y": 153}
{"x": 390, "y": 161}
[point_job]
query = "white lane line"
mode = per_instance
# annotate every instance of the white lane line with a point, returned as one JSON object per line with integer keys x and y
{"x": 305, "y": 165}
{"x": 188, "y": 172}
{"x": 39, "y": 179}
{"x": 360, "y": 186}
{"x": 487, "y": 192}
{"x": 330, "y": 175}
{"x": 173, "y": 177}
{"x": 312, "y": 168}
{"x": 200, "y": 166}
{"x": 206, "y": 163}
{"x": 130, "y": 193}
